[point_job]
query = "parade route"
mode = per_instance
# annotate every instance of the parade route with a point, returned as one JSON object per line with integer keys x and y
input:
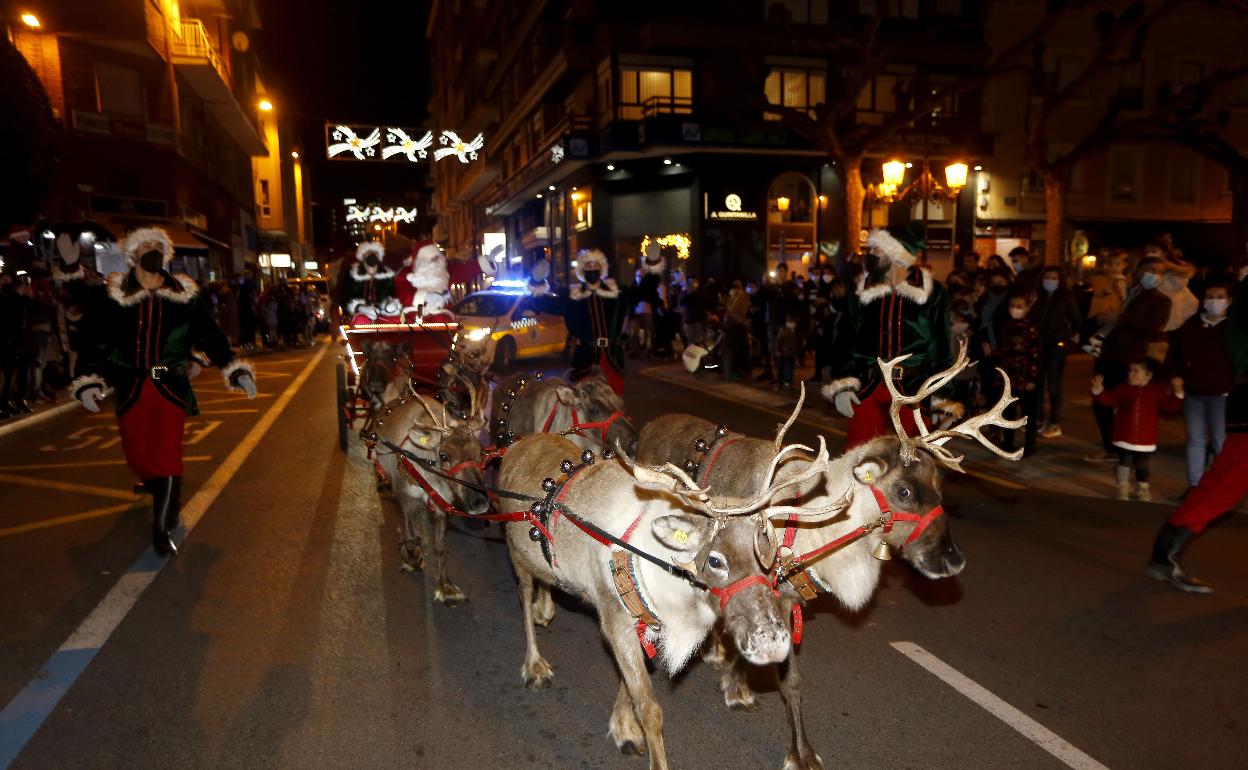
{"x": 284, "y": 634}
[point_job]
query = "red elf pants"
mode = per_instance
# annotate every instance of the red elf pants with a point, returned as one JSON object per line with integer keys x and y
{"x": 151, "y": 435}
{"x": 1219, "y": 490}
{"x": 871, "y": 419}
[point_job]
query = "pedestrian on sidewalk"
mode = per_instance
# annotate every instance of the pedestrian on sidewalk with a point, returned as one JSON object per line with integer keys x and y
{"x": 1056, "y": 315}
{"x": 1135, "y": 337}
{"x": 789, "y": 341}
{"x": 1019, "y": 357}
{"x": 1137, "y": 406}
{"x": 1199, "y": 356}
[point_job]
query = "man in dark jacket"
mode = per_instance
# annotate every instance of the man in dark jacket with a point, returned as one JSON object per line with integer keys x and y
{"x": 1138, "y": 334}
{"x": 1225, "y": 483}
{"x": 1056, "y": 316}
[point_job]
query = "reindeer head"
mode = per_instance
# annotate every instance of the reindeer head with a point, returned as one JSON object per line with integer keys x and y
{"x": 595, "y": 402}
{"x": 453, "y": 448}
{"x": 470, "y": 355}
{"x": 381, "y": 359}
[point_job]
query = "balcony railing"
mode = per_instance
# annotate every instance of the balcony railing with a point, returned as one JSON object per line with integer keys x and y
{"x": 655, "y": 105}
{"x": 196, "y": 44}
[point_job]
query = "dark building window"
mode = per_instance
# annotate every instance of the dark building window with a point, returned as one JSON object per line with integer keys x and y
{"x": 796, "y": 11}
{"x": 800, "y": 89}
{"x": 119, "y": 91}
{"x": 265, "y": 209}
{"x": 1129, "y": 86}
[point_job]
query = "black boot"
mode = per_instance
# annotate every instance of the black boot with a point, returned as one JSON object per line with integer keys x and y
{"x": 1164, "y": 565}
{"x": 165, "y": 505}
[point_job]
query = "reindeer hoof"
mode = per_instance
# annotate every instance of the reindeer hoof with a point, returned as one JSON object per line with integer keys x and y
{"x": 741, "y": 698}
{"x": 413, "y": 559}
{"x": 450, "y": 595}
{"x": 543, "y": 616}
{"x": 794, "y": 761}
{"x": 631, "y": 747}
{"x": 713, "y": 656}
{"x": 538, "y": 676}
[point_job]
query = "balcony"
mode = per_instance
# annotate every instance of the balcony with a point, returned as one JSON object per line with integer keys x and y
{"x": 196, "y": 58}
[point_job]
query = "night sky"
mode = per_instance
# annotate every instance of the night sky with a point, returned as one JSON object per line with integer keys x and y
{"x": 359, "y": 62}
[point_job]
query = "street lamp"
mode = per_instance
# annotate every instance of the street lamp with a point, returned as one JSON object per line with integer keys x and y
{"x": 782, "y": 203}
{"x": 31, "y": 20}
{"x": 894, "y": 173}
{"x": 955, "y": 176}
{"x": 265, "y": 105}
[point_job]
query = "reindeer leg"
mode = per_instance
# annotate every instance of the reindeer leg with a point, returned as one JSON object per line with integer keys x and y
{"x": 624, "y": 728}
{"x": 714, "y": 653}
{"x": 411, "y": 551}
{"x": 737, "y": 693}
{"x": 618, "y": 628}
{"x": 446, "y": 591}
{"x": 801, "y": 755}
{"x": 536, "y": 671}
{"x": 544, "y": 606}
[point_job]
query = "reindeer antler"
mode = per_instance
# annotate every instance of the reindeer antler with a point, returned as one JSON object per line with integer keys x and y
{"x": 801, "y": 399}
{"x": 969, "y": 428}
{"x": 439, "y": 425}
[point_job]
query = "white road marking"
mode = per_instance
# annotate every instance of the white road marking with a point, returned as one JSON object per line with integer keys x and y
{"x": 1025, "y": 725}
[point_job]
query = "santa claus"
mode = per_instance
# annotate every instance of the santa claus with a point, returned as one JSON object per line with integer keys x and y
{"x": 424, "y": 284}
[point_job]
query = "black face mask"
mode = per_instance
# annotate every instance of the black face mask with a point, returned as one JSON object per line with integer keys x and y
{"x": 371, "y": 260}
{"x": 997, "y": 289}
{"x": 593, "y": 276}
{"x": 875, "y": 264}
{"x": 152, "y": 261}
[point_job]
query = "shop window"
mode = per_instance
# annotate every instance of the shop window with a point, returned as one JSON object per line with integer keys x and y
{"x": 800, "y": 89}
{"x": 649, "y": 91}
{"x": 796, "y": 11}
{"x": 1126, "y": 172}
{"x": 119, "y": 91}
{"x": 1184, "y": 187}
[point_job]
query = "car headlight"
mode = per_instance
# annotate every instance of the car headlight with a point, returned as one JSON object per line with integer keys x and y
{"x": 476, "y": 335}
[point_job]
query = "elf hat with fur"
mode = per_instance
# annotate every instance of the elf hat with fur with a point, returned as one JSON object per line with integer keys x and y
{"x": 589, "y": 259}
{"x": 147, "y": 235}
{"x": 899, "y": 245}
{"x": 370, "y": 247}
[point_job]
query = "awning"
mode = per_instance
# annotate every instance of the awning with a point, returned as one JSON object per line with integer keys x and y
{"x": 179, "y": 233}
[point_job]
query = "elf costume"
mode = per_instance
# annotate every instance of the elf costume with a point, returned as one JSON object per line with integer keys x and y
{"x": 368, "y": 294}
{"x": 139, "y": 345}
{"x": 595, "y": 316}
{"x": 896, "y": 309}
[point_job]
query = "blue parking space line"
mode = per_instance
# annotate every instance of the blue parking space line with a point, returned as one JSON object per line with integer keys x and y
{"x": 26, "y": 713}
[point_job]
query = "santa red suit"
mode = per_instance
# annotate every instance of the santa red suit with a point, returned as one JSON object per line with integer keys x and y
{"x": 423, "y": 286}
{"x": 139, "y": 342}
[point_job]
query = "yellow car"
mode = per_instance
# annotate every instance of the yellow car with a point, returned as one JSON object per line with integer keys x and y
{"x": 512, "y": 323}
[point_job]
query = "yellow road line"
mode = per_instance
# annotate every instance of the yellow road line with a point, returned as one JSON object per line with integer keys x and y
{"x": 65, "y": 486}
{"x": 820, "y": 426}
{"x": 229, "y": 411}
{"x": 70, "y": 519}
{"x": 232, "y": 399}
{"x": 90, "y": 463}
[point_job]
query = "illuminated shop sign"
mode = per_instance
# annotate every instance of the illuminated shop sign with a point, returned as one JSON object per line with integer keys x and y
{"x": 731, "y": 210}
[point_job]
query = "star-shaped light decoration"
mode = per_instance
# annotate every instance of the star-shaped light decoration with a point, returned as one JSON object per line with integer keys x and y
{"x": 556, "y": 153}
{"x": 357, "y": 146}
{"x": 402, "y": 144}
{"x": 465, "y": 151}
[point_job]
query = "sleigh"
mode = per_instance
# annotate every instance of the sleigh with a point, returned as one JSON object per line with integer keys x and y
{"x": 375, "y": 352}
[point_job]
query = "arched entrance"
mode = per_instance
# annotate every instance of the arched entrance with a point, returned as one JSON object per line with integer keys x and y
{"x": 792, "y": 209}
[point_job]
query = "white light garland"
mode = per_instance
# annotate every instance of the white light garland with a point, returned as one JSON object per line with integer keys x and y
{"x": 348, "y": 141}
{"x": 465, "y": 151}
{"x": 392, "y": 143}
{"x": 402, "y": 144}
{"x": 556, "y": 153}
{"x": 378, "y": 214}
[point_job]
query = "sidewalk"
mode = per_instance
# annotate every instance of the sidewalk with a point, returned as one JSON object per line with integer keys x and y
{"x": 1057, "y": 466}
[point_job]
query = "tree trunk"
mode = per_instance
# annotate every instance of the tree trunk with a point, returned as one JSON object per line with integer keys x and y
{"x": 1055, "y": 187}
{"x": 855, "y": 196}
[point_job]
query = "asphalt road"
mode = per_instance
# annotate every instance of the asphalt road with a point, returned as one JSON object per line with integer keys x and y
{"x": 285, "y": 635}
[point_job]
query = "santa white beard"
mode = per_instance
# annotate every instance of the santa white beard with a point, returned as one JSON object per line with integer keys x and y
{"x": 431, "y": 301}
{"x": 429, "y": 276}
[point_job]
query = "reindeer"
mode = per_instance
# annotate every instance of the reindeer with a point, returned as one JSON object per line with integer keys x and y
{"x": 899, "y": 474}
{"x": 439, "y": 445}
{"x": 660, "y": 512}
{"x": 589, "y": 413}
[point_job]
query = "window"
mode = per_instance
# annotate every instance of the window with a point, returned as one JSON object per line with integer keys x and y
{"x": 1184, "y": 177}
{"x": 1062, "y": 69}
{"x": 647, "y": 91}
{"x": 1126, "y": 169}
{"x": 1129, "y": 86}
{"x": 796, "y": 11}
{"x": 797, "y": 88}
{"x": 902, "y": 9}
{"x": 265, "y": 206}
{"x": 119, "y": 91}
{"x": 899, "y": 91}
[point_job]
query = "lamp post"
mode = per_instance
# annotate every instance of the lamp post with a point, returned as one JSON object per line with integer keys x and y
{"x": 925, "y": 187}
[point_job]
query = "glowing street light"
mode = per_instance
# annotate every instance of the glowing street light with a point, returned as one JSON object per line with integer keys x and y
{"x": 782, "y": 203}
{"x": 894, "y": 173}
{"x": 31, "y": 20}
{"x": 265, "y": 105}
{"x": 955, "y": 175}
{"x": 294, "y": 154}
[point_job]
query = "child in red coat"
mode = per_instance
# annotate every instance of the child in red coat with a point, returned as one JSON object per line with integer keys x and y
{"x": 1138, "y": 405}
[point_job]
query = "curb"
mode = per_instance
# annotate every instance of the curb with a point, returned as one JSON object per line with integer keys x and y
{"x": 34, "y": 419}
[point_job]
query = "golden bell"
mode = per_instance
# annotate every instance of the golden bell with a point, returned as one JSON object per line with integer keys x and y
{"x": 882, "y": 552}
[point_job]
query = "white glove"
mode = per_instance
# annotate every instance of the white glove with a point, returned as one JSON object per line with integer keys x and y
{"x": 368, "y": 311}
{"x": 247, "y": 384}
{"x": 845, "y": 402}
{"x": 91, "y": 398}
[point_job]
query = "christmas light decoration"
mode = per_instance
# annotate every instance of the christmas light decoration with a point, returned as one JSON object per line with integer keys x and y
{"x": 378, "y": 214}
{"x": 346, "y": 140}
{"x": 679, "y": 241}
{"x": 402, "y": 144}
{"x": 556, "y": 153}
{"x": 457, "y": 147}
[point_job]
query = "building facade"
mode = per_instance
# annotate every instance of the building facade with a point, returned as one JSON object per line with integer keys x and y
{"x": 160, "y": 103}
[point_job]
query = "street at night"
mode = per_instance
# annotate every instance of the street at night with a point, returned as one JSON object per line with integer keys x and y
{"x": 558, "y": 384}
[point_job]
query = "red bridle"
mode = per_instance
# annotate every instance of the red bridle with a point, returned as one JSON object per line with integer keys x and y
{"x": 923, "y": 521}
{"x": 577, "y": 426}
{"x": 726, "y": 593}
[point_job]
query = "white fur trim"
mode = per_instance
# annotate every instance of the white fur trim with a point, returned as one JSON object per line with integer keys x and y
{"x": 883, "y": 241}
{"x": 116, "y": 282}
{"x": 136, "y": 238}
{"x": 591, "y": 257}
{"x": 87, "y": 381}
{"x": 359, "y": 273}
{"x": 369, "y": 247}
{"x": 608, "y": 289}
{"x": 236, "y": 365}
{"x": 867, "y": 296}
{"x": 60, "y": 277}
{"x": 189, "y": 291}
{"x": 831, "y": 390}
{"x": 429, "y": 272}
{"x": 353, "y": 304}
{"x": 916, "y": 294}
{"x": 1135, "y": 447}
{"x": 538, "y": 289}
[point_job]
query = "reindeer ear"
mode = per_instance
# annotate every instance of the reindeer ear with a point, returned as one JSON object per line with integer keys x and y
{"x": 566, "y": 395}
{"x": 870, "y": 470}
{"x": 680, "y": 533}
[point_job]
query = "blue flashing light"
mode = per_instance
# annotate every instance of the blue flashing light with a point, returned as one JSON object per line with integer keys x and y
{"x": 510, "y": 283}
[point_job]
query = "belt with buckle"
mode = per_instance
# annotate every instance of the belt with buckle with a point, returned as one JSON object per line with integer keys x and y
{"x": 603, "y": 342}
{"x": 158, "y": 370}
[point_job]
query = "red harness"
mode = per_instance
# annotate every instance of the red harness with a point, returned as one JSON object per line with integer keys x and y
{"x": 577, "y": 426}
